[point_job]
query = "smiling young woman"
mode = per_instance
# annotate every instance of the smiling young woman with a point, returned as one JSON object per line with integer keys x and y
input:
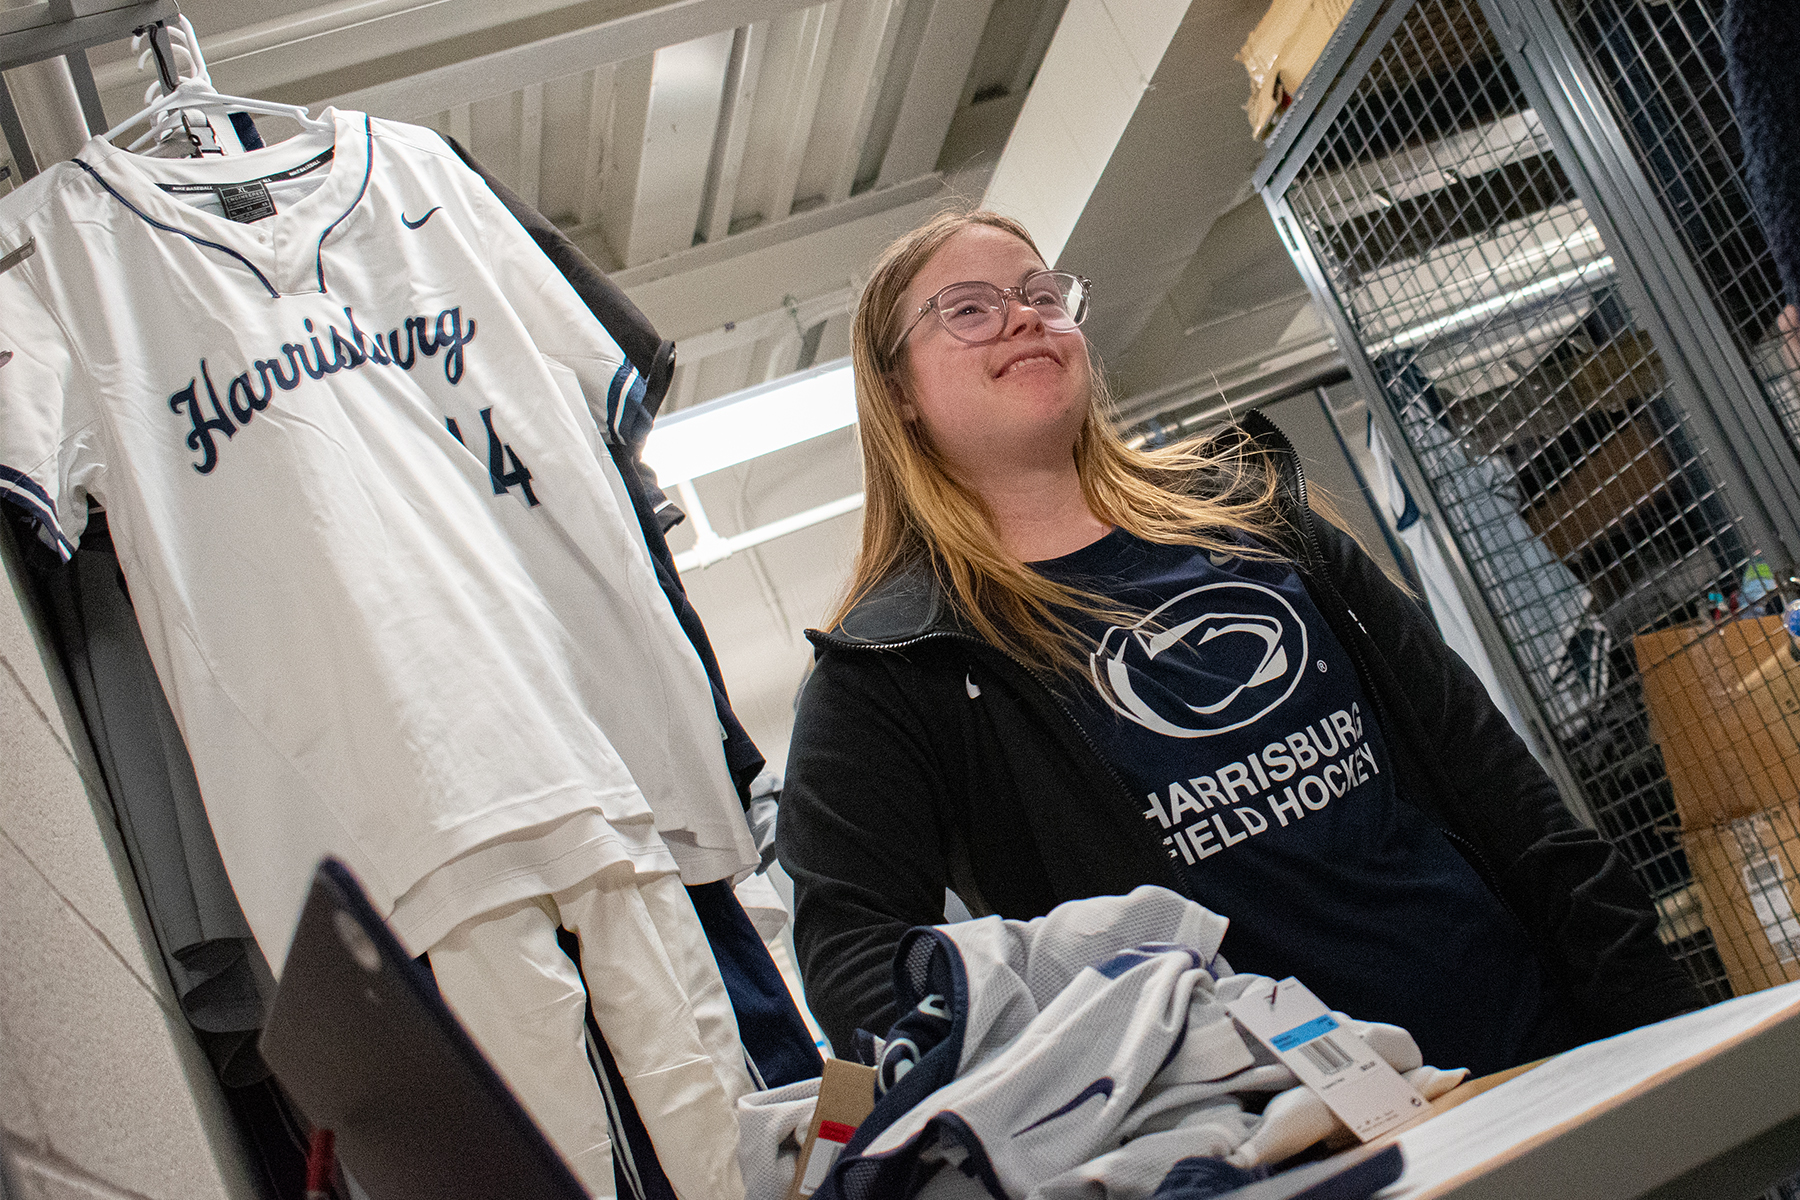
{"x": 1065, "y": 668}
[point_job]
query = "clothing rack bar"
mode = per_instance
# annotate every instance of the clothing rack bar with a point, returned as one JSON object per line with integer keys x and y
{"x": 56, "y": 29}
{"x": 48, "y": 39}
{"x": 87, "y": 91}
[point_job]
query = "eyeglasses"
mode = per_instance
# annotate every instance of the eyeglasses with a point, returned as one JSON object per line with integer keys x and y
{"x": 975, "y": 312}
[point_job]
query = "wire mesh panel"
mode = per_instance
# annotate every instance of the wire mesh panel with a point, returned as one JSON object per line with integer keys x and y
{"x": 1661, "y": 67}
{"x": 1540, "y": 411}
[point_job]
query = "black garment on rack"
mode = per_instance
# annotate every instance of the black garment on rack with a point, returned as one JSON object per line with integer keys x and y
{"x": 220, "y": 977}
{"x": 654, "y": 359}
{"x": 769, "y": 1024}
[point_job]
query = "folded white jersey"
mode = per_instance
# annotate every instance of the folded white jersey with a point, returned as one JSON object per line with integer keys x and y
{"x": 1067, "y": 1038}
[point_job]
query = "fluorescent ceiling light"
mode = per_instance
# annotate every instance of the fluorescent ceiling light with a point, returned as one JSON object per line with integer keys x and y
{"x": 1600, "y": 269}
{"x": 749, "y": 424}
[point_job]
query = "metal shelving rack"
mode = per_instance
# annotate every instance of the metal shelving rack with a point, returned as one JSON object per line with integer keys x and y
{"x": 65, "y": 29}
{"x": 1527, "y": 223}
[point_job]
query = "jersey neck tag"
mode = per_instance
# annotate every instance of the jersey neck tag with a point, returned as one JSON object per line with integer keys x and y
{"x": 248, "y": 201}
{"x": 1357, "y": 1084}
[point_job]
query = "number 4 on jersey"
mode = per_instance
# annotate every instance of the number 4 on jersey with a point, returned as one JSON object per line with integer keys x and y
{"x": 499, "y": 454}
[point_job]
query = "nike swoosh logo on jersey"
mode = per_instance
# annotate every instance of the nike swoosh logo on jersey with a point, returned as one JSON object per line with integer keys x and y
{"x": 5, "y": 357}
{"x": 421, "y": 220}
{"x": 1102, "y": 1086}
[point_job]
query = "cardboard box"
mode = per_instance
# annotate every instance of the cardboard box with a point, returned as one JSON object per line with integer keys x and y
{"x": 846, "y": 1096}
{"x": 1750, "y": 890}
{"x": 1281, "y": 50}
{"x": 1724, "y": 709}
{"x": 1624, "y": 370}
{"x": 1623, "y": 473}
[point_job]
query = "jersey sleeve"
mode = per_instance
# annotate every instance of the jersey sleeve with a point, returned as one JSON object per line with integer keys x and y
{"x": 48, "y": 434}
{"x": 561, "y": 325}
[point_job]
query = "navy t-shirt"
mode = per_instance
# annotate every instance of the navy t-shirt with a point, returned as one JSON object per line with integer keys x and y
{"x": 1236, "y": 715}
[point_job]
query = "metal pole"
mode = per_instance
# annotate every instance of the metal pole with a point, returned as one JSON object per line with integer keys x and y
{"x": 87, "y": 91}
{"x": 17, "y": 144}
{"x": 48, "y": 110}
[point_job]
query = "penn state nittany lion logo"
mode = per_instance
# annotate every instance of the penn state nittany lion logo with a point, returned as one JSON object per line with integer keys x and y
{"x": 1254, "y": 644}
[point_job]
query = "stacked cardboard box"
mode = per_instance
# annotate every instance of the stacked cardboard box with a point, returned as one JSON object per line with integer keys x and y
{"x": 1281, "y": 50}
{"x": 1724, "y": 708}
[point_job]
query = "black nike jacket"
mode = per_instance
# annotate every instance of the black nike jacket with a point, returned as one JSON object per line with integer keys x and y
{"x": 897, "y": 787}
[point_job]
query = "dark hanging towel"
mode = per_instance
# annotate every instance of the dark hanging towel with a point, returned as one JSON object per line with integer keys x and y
{"x": 1762, "y": 46}
{"x": 220, "y": 977}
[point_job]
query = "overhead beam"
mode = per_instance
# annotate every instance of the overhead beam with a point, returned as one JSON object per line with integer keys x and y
{"x": 1097, "y": 68}
{"x": 531, "y": 142}
{"x": 795, "y": 319}
{"x": 744, "y": 276}
{"x": 799, "y": 99}
{"x": 946, "y": 52}
{"x": 599, "y": 129}
{"x": 866, "y": 34}
{"x": 424, "y": 92}
{"x": 748, "y": 46}
{"x": 331, "y": 47}
{"x": 658, "y": 184}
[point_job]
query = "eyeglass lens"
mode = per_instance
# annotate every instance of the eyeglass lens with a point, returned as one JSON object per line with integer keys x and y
{"x": 976, "y": 312}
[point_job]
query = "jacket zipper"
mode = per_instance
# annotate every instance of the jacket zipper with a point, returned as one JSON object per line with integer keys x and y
{"x": 1309, "y": 538}
{"x": 1179, "y": 885}
{"x": 1314, "y": 560}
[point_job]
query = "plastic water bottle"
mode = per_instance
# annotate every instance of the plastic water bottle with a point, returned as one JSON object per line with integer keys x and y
{"x": 1758, "y": 581}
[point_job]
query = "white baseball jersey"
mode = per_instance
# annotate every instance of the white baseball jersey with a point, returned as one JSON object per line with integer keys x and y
{"x": 1082, "y": 1053}
{"x": 350, "y": 460}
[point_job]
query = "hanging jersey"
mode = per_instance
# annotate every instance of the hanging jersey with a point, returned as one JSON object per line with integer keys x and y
{"x": 381, "y": 557}
{"x": 1237, "y": 717}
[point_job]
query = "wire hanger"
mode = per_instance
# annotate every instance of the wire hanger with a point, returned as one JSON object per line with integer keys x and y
{"x": 194, "y": 90}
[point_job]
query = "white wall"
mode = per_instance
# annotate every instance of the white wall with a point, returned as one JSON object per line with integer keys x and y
{"x": 103, "y": 1091}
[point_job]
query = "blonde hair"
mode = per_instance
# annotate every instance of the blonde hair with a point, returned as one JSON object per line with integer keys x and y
{"x": 917, "y": 511}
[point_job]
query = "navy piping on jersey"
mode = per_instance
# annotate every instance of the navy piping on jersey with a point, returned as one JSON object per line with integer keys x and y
{"x": 368, "y": 165}
{"x": 24, "y": 491}
{"x": 197, "y": 240}
{"x": 623, "y": 395}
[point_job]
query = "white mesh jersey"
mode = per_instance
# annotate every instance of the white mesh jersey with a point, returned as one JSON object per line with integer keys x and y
{"x": 352, "y": 459}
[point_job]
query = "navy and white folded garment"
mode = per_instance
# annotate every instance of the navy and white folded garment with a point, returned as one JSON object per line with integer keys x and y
{"x": 1083, "y": 1053}
{"x": 771, "y": 1126}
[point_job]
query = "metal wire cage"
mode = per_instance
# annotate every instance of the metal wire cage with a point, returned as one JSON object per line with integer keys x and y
{"x": 1661, "y": 67}
{"x": 1579, "y": 489}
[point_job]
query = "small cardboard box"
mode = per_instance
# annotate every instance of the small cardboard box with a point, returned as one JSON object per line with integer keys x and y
{"x": 1724, "y": 708}
{"x": 1281, "y": 50}
{"x": 1750, "y": 892}
{"x": 846, "y": 1096}
{"x": 1621, "y": 475}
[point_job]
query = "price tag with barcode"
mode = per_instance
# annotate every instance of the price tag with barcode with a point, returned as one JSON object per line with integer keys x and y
{"x": 1357, "y": 1084}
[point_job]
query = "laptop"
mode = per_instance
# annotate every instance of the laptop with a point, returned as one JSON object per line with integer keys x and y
{"x": 361, "y": 1041}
